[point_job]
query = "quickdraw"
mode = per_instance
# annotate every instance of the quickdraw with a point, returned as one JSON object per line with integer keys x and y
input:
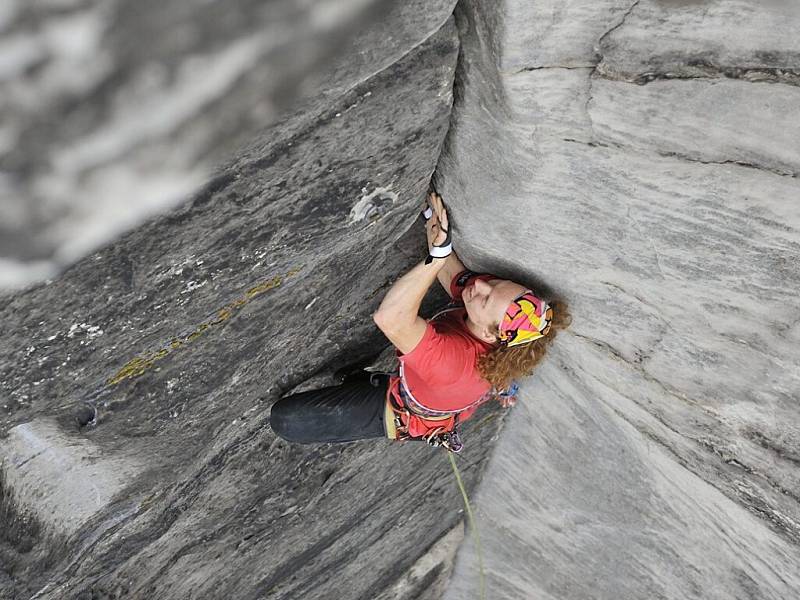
{"x": 449, "y": 440}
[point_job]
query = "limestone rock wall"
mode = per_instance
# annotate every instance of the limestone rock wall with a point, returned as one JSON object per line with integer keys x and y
{"x": 137, "y": 459}
{"x": 640, "y": 160}
{"x": 114, "y": 111}
{"x": 637, "y": 159}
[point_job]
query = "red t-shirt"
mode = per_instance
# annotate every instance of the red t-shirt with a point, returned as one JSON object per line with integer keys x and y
{"x": 441, "y": 371}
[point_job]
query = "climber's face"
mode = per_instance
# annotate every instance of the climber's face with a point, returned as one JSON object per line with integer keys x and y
{"x": 486, "y": 303}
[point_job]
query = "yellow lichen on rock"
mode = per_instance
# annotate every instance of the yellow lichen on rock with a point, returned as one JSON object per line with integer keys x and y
{"x": 139, "y": 365}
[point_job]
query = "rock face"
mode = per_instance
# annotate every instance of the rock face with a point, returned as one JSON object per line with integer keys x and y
{"x": 112, "y": 112}
{"x": 640, "y": 160}
{"x": 145, "y": 373}
{"x": 637, "y": 159}
{"x": 64, "y": 479}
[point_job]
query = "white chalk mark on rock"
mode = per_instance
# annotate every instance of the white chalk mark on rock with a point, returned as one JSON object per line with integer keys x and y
{"x": 373, "y": 206}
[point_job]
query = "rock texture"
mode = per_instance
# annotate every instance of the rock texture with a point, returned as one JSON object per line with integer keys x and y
{"x": 62, "y": 479}
{"x": 635, "y": 158}
{"x": 163, "y": 353}
{"x": 640, "y": 160}
{"x": 114, "y": 111}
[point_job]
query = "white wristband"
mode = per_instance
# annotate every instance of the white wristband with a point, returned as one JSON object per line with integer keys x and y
{"x": 441, "y": 251}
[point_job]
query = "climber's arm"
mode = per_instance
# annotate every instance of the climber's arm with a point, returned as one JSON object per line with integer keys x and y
{"x": 452, "y": 267}
{"x": 398, "y": 315}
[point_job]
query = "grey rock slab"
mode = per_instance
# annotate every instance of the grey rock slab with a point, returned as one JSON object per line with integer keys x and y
{"x": 720, "y": 120}
{"x": 397, "y": 28}
{"x": 749, "y": 39}
{"x": 609, "y": 513}
{"x": 62, "y": 479}
{"x": 424, "y": 580}
{"x": 184, "y": 332}
{"x": 555, "y": 34}
{"x": 661, "y": 249}
{"x": 111, "y": 113}
{"x": 666, "y": 420}
{"x": 550, "y": 105}
{"x": 169, "y": 281}
{"x": 705, "y": 120}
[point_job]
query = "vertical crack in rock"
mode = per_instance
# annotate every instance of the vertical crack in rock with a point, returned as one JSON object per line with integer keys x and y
{"x": 677, "y": 372}
{"x": 321, "y": 189}
{"x": 598, "y": 62}
{"x": 601, "y": 39}
{"x": 587, "y": 108}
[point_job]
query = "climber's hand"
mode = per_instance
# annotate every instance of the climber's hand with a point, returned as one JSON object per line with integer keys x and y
{"x": 436, "y": 227}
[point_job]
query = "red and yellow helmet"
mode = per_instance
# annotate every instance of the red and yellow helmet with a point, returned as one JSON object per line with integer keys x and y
{"x": 527, "y": 318}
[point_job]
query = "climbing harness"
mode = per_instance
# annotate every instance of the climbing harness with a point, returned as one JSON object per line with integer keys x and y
{"x": 447, "y": 436}
{"x": 398, "y": 417}
{"x": 426, "y": 412}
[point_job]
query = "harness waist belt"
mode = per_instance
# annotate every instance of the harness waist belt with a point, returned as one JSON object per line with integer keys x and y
{"x": 413, "y": 407}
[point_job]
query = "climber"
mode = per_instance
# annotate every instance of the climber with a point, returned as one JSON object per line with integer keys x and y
{"x": 494, "y": 331}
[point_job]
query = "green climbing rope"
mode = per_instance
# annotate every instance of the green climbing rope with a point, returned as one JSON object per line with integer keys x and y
{"x": 472, "y": 526}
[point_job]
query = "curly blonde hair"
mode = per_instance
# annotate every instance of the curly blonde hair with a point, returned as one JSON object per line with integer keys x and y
{"x": 501, "y": 366}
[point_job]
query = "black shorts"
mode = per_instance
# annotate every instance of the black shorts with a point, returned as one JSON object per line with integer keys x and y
{"x": 351, "y": 411}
